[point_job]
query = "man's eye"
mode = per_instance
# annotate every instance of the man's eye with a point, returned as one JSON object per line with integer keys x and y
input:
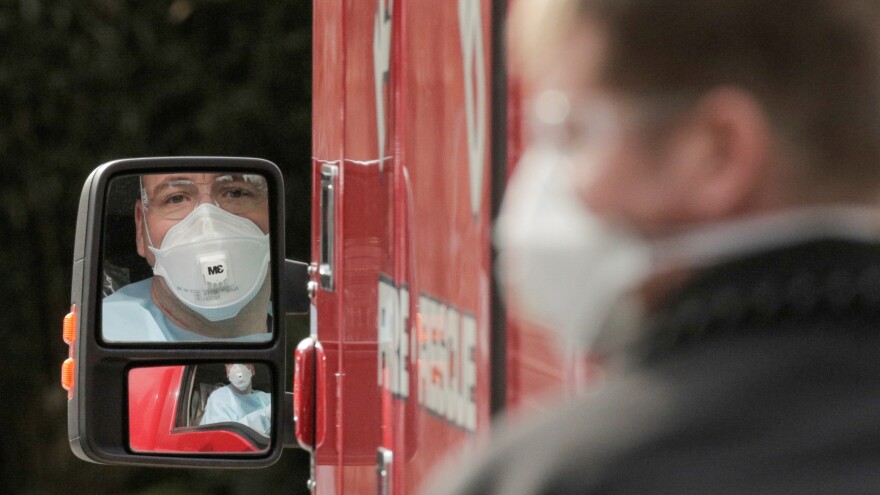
{"x": 236, "y": 193}
{"x": 175, "y": 199}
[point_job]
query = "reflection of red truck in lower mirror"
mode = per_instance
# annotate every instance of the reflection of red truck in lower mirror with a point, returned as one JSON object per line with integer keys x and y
{"x": 166, "y": 404}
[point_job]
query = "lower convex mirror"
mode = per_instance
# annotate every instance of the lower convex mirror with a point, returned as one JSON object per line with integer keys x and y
{"x": 216, "y": 408}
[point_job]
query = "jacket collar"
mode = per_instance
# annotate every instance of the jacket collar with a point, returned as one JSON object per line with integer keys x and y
{"x": 781, "y": 290}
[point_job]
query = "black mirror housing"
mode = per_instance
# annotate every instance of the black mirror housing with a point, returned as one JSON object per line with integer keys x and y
{"x": 98, "y": 401}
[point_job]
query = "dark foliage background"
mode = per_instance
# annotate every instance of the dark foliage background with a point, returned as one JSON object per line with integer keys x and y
{"x": 86, "y": 81}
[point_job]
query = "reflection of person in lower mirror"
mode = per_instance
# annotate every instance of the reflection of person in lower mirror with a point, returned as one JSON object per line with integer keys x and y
{"x": 239, "y": 402}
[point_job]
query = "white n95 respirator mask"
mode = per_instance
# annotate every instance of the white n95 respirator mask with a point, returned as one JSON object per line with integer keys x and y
{"x": 213, "y": 261}
{"x": 240, "y": 376}
{"x": 562, "y": 266}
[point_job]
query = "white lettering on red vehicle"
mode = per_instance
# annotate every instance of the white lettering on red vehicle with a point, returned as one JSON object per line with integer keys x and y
{"x": 445, "y": 348}
{"x": 381, "y": 69}
{"x": 447, "y": 363}
{"x": 474, "y": 59}
{"x": 394, "y": 333}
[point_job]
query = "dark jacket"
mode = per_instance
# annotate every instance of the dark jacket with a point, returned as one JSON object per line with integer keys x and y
{"x": 761, "y": 376}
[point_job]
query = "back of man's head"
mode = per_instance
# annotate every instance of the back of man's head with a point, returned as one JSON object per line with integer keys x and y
{"x": 813, "y": 65}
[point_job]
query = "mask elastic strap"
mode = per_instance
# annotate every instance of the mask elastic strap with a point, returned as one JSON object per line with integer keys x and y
{"x": 144, "y": 206}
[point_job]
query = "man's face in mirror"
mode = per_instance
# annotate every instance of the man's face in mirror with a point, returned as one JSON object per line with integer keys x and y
{"x": 171, "y": 197}
{"x": 249, "y": 366}
{"x": 206, "y": 237}
{"x": 240, "y": 376}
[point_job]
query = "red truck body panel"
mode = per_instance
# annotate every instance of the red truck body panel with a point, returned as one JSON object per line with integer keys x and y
{"x": 402, "y": 95}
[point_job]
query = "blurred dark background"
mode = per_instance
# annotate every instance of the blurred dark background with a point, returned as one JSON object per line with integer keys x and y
{"x": 87, "y": 81}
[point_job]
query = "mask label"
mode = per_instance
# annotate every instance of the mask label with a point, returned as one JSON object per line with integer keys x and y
{"x": 214, "y": 262}
{"x": 214, "y": 269}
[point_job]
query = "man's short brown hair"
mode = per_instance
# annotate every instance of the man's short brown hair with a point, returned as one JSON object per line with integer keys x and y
{"x": 814, "y": 66}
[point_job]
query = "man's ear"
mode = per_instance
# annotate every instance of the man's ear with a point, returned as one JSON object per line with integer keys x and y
{"x": 139, "y": 229}
{"x": 722, "y": 157}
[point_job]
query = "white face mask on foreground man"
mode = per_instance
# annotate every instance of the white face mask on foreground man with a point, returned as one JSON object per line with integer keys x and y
{"x": 580, "y": 275}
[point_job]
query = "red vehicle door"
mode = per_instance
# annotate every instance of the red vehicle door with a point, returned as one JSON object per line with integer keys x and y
{"x": 404, "y": 194}
{"x": 401, "y": 129}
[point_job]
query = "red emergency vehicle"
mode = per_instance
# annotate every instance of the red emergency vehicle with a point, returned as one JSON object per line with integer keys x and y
{"x": 416, "y": 128}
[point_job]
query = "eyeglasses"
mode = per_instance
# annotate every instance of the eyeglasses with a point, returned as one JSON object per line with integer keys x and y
{"x": 569, "y": 124}
{"x": 176, "y": 197}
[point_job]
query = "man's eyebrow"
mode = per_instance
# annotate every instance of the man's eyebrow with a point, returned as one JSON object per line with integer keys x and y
{"x": 173, "y": 181}
{"x": 247, "y": 178}
{"x": 252, "y": 180}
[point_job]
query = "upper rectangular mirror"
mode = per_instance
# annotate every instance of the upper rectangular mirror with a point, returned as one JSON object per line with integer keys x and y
{"x": 186, "y": 258}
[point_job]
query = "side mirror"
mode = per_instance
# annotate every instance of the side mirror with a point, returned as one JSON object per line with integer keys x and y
{"x": 176, "y": 330}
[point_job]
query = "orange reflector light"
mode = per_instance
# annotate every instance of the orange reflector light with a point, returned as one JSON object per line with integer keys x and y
{"x": 69, "y": 328}
{"x": 67, "y": 374}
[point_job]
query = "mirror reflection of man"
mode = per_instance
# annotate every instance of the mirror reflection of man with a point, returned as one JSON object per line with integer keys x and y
{"x": 238, "y": 402}
{"x": 699, "y": 209}
{"x": 206, "y": 237}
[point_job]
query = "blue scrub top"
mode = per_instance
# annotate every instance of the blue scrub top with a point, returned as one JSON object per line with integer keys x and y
{"x": 253, "y": 409}
{"x": 130, "y": 315}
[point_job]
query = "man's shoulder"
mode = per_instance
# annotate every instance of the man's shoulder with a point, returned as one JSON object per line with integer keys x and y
{"x": 127, "y": 315}
{"x": 726, "y": 411}
{"x": 221, "y": 392}
{"x": 138, "y": 292}
{"x": 264, "y": 398}
{"x": 527, "y": 456}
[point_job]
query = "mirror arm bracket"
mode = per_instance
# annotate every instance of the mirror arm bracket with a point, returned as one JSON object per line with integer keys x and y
{"x": 288, "y": 436}
{"x": 294, "y": 288}
{"x": 296, "y": 300}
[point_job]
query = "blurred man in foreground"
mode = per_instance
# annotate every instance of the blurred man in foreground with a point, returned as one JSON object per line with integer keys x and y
{"x": 699, "y": 209}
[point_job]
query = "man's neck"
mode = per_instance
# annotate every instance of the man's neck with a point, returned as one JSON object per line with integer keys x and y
{"x": 246, "y": 391}
{"x": 250, "y": 320}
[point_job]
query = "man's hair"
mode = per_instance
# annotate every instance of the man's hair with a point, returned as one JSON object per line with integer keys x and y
{"x": 813, "y": 65}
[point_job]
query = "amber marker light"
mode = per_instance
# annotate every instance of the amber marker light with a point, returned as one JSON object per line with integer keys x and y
{"x": 67, "y": 375}
{"x": 69, "y": 328}
{"x": 68, "y": 333}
